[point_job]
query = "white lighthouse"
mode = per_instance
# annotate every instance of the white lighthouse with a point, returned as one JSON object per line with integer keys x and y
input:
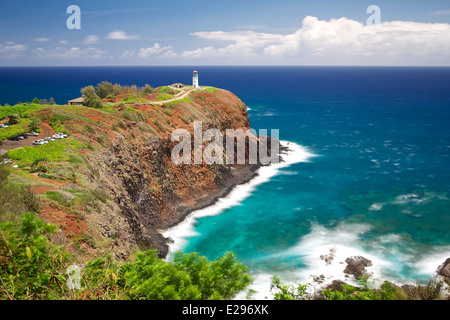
{"x": 195, "y": 80}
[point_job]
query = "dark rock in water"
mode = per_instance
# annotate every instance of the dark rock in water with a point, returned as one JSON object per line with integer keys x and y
{"x": 356, "y": 266}
{"x": 444, "y": 269}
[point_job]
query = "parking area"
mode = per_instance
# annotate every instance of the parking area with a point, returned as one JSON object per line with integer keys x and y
{"x": 46, "y": 131}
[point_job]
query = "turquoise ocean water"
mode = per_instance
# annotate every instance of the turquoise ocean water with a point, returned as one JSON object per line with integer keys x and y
{"x": 369, "y": 174}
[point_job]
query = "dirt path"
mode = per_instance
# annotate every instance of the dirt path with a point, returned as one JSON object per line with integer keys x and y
{"x": 46, "y": 131}
{"x": 159, "y": 103}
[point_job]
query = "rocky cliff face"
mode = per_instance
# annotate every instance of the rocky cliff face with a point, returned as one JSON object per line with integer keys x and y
{"x": 146, "y": 191}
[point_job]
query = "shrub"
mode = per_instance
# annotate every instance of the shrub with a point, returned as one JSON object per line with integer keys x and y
{"x": 188, "y": 277}
{"x": 287, "y": 292}
{"x": 27, "y": 267}
{"x": 387, "y": 291}
{"x": 33, "y": 126}
{"x": 91, "y": 99}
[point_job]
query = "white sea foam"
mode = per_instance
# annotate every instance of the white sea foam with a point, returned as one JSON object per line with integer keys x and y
{"x": 323, "y": 252}
{"x": 429, "y": 263}
{"x": 181, "y": 232}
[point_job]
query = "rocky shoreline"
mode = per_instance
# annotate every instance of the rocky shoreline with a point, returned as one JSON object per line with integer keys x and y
{"x": 439, "y": 285}
{"x": 239, "y": 175}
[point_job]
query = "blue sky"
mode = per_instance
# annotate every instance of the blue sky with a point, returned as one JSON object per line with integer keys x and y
{"x": 292, "y": 32}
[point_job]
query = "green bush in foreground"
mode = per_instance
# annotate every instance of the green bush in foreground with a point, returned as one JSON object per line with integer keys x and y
{"x": 31, "y": 267}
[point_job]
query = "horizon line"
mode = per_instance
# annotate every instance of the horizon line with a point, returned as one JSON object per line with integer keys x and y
{"x": 237, "y": 65}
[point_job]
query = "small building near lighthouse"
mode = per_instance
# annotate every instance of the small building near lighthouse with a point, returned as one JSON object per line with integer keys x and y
{"x": 195, "y": 80}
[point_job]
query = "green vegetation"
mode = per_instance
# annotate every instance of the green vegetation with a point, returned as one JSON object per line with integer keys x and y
{"x": 14, "y": 130}
{"x": 168, "y": 90}
{"x": 210, "y": 90}
{"x": 387, "y": 291}
{"x": 164, "y": 96}
{"x": 33, "y": 126}
{"x": 106, "y": 90}
{"x": 36, "y": 101}
{"x": 91, "y": 99}
{"x": 283, "y": 291}
{"x": 188, "y": 277}
{"x": 33, "y": 269}
{"x": 57, "y": 151}
{"x": 15, "y": 199}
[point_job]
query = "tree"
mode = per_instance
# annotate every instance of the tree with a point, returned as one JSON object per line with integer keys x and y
{"x": 147, "y": 89}
{"x": 34, "y": 125}
{"x": 90, "y": 98}
{"x": 51, "y": 101}
{"x": 36, "y": 101}
{"x": 104, "y": 89}
{"x": 13, "y": 119}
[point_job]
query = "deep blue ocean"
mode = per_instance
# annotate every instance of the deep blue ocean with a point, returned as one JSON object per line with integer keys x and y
{"x": 378, "y": 184}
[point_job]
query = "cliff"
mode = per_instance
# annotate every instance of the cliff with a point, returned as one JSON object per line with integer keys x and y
{"x": 116, "y": 185}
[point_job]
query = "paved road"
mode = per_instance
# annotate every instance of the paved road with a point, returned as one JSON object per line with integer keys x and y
{"x": 46, "y": 131}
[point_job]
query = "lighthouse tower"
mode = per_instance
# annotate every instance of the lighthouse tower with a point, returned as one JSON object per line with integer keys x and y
{"x": 195, "y": 80}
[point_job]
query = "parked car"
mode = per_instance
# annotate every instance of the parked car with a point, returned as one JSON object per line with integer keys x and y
{"x": 25, "y": 136}
{"x": 49, "y": 139}
{"x": 5, "y": 125}
{"x": 1, "y": 143}
{"x": 60, "y": 135}
{"x": 33, "y": 134}
{"x": 16, "y": 138}
{"x": 1, "y": 125}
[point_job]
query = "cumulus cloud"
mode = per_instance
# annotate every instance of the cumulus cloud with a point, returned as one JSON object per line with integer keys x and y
{"x": 156, "y": 50}
{"x": 92, "y": 39}
{"x": 245, "y": 43}
{"x": 121, "y": 35}
{"x": 337, "y": 38}
{"x": 11, "y": 49}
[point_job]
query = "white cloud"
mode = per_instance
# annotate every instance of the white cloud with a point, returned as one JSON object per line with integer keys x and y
{"x": 92, "y": 39}
{"x": 152, "y": 51}
{"x": 70, "y": 53}
{"x": 11, "y": 46}
{"x": 121, "y": 35}
{"x": 42, "y": 39}
{"x": 334, "y": 40}
{"x": 63, "y": 42}
{"x": 245, "y": 43}
{"x": 11, "y": 49}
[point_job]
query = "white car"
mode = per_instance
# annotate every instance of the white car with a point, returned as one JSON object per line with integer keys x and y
{"x": 62, "y": 135}
{"x": 57, "y": 137}
{"x": 38, "y": 142}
